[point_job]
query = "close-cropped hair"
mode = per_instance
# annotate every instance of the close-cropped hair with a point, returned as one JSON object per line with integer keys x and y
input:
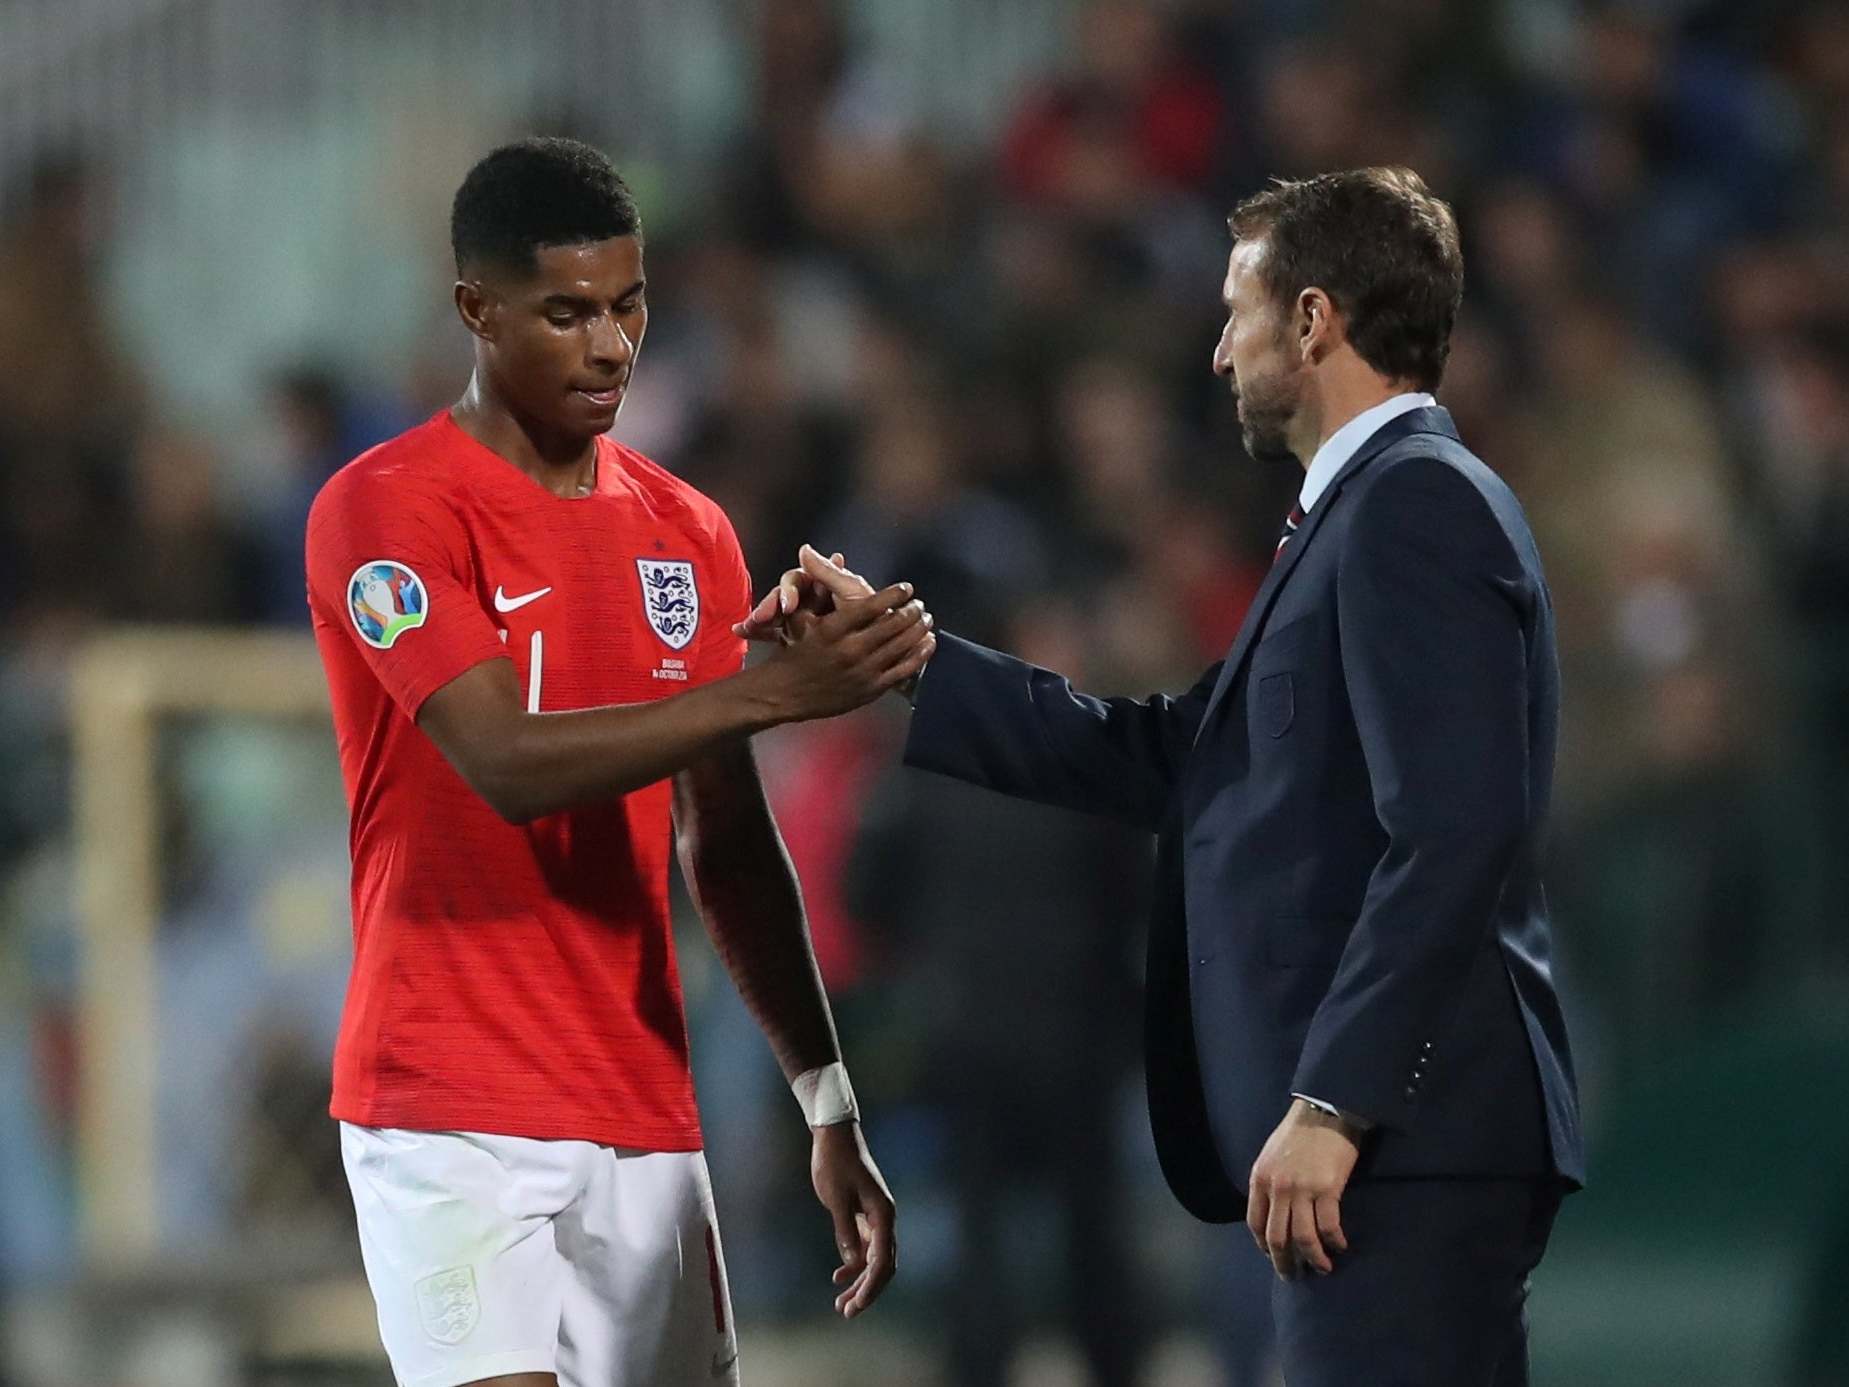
{"x": 535, "y": 193}
{"x": 1384, "y": 248}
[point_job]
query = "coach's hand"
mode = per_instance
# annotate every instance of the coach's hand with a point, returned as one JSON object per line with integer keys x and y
{"x": 854, "y": 1192}
{"x": 1294, "y": 1208}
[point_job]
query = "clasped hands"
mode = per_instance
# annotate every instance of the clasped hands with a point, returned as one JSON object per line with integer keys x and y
{"x": 804, "y": 595}
{"x": 845, "y": 641}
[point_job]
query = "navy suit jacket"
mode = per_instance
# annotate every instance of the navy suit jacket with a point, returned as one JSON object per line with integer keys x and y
{"x": 1348, "y": 809}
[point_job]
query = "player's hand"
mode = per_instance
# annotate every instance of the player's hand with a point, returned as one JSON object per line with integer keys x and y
{"x": 854, "y": 1192}
{"x": 836, "y": 663}
{"x": 802, "y": 594}
{"x": 1294, "y": 1210}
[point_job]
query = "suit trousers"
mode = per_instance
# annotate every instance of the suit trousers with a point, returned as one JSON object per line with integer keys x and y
{"x": 1432, "y": 1291}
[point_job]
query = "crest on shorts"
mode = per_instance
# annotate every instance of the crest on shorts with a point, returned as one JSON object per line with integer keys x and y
{"x": 386, "y": 599}
{"x": 447, "y": 1304}
{"x": 671, "y": 599}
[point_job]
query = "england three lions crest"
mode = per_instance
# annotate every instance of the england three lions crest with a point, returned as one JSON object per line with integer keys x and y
{"x": 671, "y": 599}
{"x": 448, "y": 1304}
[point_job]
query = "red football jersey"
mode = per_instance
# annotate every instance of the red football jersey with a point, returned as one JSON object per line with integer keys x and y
{"x": 511, "y": 979}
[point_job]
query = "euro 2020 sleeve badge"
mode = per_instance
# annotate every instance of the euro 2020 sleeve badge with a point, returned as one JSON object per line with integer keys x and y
{"x": 386, "y": 599}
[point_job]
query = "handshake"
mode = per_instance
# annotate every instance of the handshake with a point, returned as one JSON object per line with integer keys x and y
{"x": 840, "y": 644}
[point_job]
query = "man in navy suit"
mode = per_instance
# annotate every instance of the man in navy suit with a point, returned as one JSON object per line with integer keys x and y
{"x": 1353, "y": 1037}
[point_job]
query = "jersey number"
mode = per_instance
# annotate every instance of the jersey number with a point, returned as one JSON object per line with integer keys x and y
{"x": 536, "y": 664}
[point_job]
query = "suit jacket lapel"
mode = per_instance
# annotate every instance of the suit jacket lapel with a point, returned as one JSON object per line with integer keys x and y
{"x": 1432, "y": 420}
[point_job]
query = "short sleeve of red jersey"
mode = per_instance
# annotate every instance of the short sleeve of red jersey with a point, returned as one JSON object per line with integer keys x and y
{"x": 721, "y": 652}
{"x": 389, "y": 570}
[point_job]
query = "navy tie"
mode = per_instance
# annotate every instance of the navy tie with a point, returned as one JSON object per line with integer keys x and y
{"x": 1290, "y": 528}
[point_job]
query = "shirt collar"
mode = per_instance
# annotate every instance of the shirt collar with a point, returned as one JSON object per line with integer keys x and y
{"x": 1342, "y": 445}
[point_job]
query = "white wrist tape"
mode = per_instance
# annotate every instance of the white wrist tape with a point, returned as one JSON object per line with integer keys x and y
{"x": 827, "y": 1098}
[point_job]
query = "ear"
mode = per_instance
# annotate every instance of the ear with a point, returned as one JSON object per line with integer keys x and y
{"x": 478, "y": 308}
{"x": 1318, "y": 331}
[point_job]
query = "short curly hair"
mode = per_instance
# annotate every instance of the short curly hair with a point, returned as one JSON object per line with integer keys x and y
{"x": 1381, "y": 245}
{"x": 535, "y": 193}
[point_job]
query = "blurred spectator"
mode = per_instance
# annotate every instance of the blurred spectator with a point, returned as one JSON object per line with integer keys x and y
{"x": 1121, "y": 151}
{"x": 910, "y": 513}
{"x": 69, "y": 403}
{"x": 1790, "y": 397}
{"x": 65, "y": 385}
{"x": 761, "y": 423}
{"x": 313, "y": 426}
{"x": 60, "y": 526}
{"x": 1113, "y": 437}
{"x": 1315, "y": 103}
{"x": 820, "y": 775}
{"x": 1116, "y": 441}
{"x": 1671, "y": 149}
{"x": 1134, "y": 124}
{"x": 183, "y": 558}
{"x": 832, "y": 161}
{"x": 1630, "y": 497}
{"x": 291, "y": 1175}
{"x": 1526, "y": 256}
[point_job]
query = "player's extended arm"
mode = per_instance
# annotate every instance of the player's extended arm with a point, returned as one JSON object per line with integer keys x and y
{"x": 746, "y": 890}
{"x": 995, "y": 721}
{"x": 526, "y": 765}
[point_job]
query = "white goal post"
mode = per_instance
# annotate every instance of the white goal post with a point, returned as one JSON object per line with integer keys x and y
{"x": 123, "y": 685}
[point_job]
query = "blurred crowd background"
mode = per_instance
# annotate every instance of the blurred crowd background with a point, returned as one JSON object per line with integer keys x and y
{"x": 937, "y": 285}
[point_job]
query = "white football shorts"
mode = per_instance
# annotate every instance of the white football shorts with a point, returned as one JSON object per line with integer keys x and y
{"x": 490, "y": 1255}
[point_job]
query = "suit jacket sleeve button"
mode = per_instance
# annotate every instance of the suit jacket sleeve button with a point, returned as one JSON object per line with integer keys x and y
{"x": 1410, "y": 1092}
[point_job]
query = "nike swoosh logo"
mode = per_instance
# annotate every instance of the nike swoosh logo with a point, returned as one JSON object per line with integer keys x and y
{"x": 719, "y": 1368}
{"x": 504, "y": 603}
